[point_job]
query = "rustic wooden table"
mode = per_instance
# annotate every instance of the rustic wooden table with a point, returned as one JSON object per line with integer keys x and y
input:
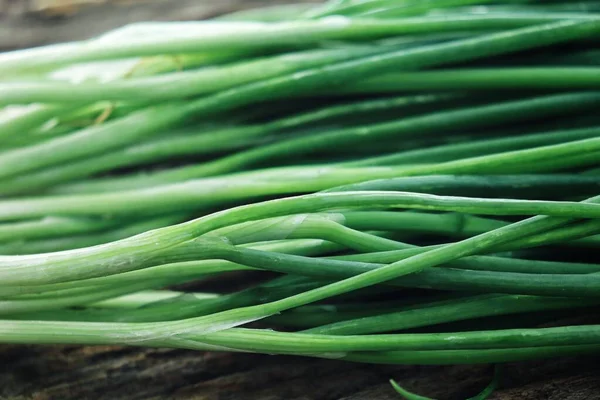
{"x": 45, "y": 373}
{"x": 79, "y": 373}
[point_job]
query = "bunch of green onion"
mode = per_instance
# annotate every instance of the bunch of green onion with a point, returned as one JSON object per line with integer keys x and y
{"x": 376, "y": 166}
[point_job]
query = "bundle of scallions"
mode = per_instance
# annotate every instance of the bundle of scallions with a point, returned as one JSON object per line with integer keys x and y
{"x": 427, "y": 166}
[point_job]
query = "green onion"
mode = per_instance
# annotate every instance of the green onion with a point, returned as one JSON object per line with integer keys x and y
{"x": 378, "y": 168}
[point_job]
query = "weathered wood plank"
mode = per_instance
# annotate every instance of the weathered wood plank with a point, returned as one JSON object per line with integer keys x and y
{"x": 45, "y": 373}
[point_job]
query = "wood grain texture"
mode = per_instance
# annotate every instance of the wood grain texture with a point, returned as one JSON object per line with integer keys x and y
{"x": 45, "y": 373}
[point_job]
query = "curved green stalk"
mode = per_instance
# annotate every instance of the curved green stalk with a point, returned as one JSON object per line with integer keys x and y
{"x": 205, "y": 143}
{"x": 464, "y": 279}
{"x": 52, "y": 226}
{"x": 141, "y": 248}
{"x": 255, "y": 340}
{"x": 232, "y": 36}
{"x": 484, "y": 263}
{"x": 29, "y": 118}
{"x": 177, "y": 85}
{"x": 146, "y": 122}
{"x": 474, "y": 117}
{"x": 450, "y": 152}
{"x": 178, "y": 271}
{"x": 62, "y": 243}
{"x": 197, "y": 194}
{"x": 374, "y": 7}
{"x": 454, "y": 310}
{"x": 479, "y": 356}
{"x": 503, "y": 186}
{"x": 571, "y": 78}
{"x": 329, "y": 269}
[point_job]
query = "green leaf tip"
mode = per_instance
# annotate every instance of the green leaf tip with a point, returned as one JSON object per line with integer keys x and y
{"x": 483, "y": 395}
{"x": 406, "y": 394}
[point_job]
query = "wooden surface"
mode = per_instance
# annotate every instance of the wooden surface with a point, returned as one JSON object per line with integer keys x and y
{"x": 78, "y": 373}
{"x": 44, "y": 373}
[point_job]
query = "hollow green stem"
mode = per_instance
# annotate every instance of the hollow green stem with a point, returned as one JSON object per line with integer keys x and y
{"x": 232, "y": 36}
{"x": 472, "y": 117}
{"x": 454, "y": 310}
{"x": 570, "y": 78}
